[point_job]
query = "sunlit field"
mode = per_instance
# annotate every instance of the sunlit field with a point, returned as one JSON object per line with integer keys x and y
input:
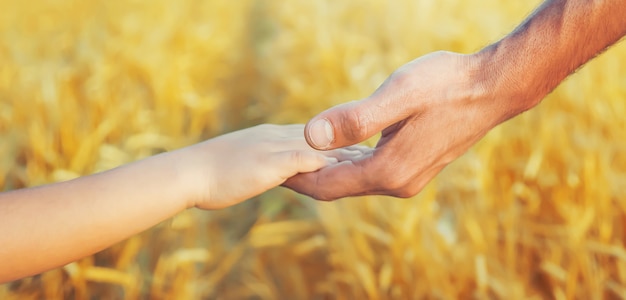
{"x": 535, "y": 210}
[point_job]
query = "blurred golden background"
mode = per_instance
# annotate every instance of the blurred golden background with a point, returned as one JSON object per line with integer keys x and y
{"x": 535, "y": 210}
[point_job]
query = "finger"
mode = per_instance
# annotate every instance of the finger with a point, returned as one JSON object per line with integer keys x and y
{"x": 341, "y": 180}
{"x": 300, "y": 161}
{"x": 298, "y": 142}
{"x": 360, "y": 148}
{"x": 341, "y": 154}
{"x": 412, "y": 188}
{"x": 349, "y": 153}
{"x": 353, "y": 122}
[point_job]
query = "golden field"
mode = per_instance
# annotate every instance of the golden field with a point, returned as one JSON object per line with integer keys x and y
{"x": 535, "y": 210}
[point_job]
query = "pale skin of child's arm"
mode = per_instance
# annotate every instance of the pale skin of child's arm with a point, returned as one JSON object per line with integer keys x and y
{"x": 46, "y": 227}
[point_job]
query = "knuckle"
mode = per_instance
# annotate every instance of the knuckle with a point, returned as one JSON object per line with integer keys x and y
{"x": 392, "y": 183}
{"x": 297, "y": 158}
{"x": 406, "y": 192}
{"x": 354, "y": 125}
{"x": 400, "y": 78}
{"x": 410, "y": 190}
{"x": 397, "y": 182}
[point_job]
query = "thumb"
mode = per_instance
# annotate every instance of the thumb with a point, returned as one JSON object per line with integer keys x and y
{"x": 351, "y": 123}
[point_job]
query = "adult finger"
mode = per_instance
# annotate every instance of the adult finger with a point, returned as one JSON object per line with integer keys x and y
{"x": 336, "y": 181}
{"x": 353, "y": 122}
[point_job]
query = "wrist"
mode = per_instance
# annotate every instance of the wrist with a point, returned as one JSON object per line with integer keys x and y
{"x": 500, "y": 80}
{"x": 190, "y": 175}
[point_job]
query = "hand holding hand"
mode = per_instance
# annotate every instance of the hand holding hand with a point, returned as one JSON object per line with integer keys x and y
{"x": 430, "y": 111}
{"x": 239, "y": 165}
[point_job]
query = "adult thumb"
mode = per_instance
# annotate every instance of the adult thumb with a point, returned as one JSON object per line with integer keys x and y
{"x": 350, "y": 123}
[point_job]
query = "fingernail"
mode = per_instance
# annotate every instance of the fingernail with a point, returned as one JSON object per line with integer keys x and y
{"x": 321, "y": 134}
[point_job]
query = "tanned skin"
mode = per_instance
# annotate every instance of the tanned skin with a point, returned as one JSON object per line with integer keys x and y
{"x": 431, "y": 110}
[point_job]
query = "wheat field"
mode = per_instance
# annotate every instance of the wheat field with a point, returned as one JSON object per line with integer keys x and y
{"x": 536, "y": 210}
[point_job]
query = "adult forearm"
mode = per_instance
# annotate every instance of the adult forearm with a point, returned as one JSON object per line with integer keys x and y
{"x": 559, "y": 37}
{"x": 48, "y": 226}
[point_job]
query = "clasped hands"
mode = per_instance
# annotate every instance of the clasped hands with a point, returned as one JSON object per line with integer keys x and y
{"x": 429, "y": 112}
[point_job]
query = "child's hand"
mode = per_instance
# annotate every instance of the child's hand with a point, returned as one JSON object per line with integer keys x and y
{"x": 126, "y": 200}
{"x": 231, "y": 168}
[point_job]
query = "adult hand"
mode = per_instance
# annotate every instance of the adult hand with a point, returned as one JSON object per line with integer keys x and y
{"x": 430, "y": 111}
{"x": 433, "y": 109}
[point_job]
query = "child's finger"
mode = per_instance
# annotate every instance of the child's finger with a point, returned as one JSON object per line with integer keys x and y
{"x": 331, "y": 160}
{"x": 360, "y": 148}
{"x": 300, "y": 161}
{"x": 349, "y": 153}
{"x": 292, "y": 143}
{"x": 292, "y": 139}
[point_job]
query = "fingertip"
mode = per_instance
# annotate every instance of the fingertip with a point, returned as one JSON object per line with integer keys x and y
{"x": 345, "y": 124}
{"x": 329, "y": 160}
{"x": 320, "y": 134}
{"x": 309, "y": 161}
{"x": 317, "y": 162}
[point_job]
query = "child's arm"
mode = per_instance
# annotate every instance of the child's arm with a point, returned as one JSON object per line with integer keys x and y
{"x": 48, "y": 226}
